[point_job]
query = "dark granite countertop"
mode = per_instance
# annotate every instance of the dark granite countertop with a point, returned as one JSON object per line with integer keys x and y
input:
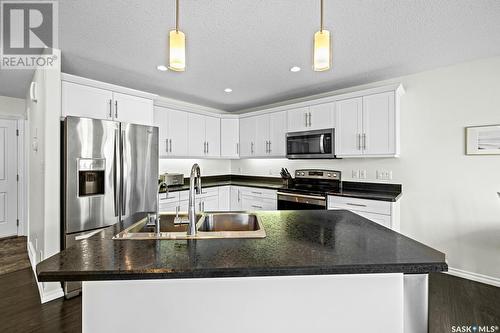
{"x": 361, "y": 190}
{"x": 297, "y": 243}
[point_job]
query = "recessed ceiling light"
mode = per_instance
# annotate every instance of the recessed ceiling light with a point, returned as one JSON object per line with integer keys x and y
{"x": 161, "y": 68}
{"x": 295, "y": 69}
{"x": 228, "y": 90}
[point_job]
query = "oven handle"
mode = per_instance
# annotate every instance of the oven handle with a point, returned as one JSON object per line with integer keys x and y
{"x": 301, "y": 196}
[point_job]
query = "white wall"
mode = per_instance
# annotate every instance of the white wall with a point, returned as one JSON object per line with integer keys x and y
{"x": 207, "y": 167}
{"x": 12, "y": 107}
{"x": 43, "y": 144}
{"x": 450, "y": 200}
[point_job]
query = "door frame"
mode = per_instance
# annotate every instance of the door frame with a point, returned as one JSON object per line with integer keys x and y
{"x": 21, "y": 172}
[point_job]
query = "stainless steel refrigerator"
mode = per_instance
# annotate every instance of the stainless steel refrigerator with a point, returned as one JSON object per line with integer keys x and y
{"x": 110, "y": 173}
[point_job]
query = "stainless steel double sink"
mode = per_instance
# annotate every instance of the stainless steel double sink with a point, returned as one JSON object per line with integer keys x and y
{"x": 209, "y": 226}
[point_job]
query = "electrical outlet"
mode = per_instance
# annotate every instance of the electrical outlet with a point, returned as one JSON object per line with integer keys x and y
{"x": 384, "y": 175}
{"x": 390, "y": 175}
{"x": 355, "y": 174}
{"x": 362, "y": 174}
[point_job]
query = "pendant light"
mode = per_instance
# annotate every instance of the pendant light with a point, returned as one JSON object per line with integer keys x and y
{"x": 177, "y": 44}
{"x": 322, "y": 50}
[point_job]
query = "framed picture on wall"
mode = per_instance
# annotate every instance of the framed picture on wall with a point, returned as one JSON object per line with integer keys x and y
{"x": 483, "y": 140}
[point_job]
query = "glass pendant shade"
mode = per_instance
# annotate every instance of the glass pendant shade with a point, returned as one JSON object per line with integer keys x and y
{"x": 177, "y": 52}
{"x": 322, "y": 51}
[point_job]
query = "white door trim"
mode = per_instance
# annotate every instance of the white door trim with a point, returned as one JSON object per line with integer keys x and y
{"x": 22, "y": 169}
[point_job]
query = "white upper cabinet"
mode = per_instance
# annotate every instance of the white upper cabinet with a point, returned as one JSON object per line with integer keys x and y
{"x": 229, "y": 137}
{"x": 277, "y": 134}
{"x": 298, "y": 119}
{"x": 312, "y": 117}
{"x": 379, "y": 125}
{"x": 349, "y": 127}
{"x": 212, "y": 136}
{"x": 173, "y": 131}
{"x": 133, "y": 109}
{"x": 321, "y": 116}
{"x": 82, "y": 100}
{"x": 367, "y": 126}
{"x": 247, "y": 136}
{"x": 263, "y": 135}
{"x": 85, "y": 101}
{"x": 204, "y": 136}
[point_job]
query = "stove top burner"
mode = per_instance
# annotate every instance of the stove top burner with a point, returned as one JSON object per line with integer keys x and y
{"x": 315, "y": 182}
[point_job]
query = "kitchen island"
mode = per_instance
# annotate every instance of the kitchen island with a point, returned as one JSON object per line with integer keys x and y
{"x": 314, "y": 271}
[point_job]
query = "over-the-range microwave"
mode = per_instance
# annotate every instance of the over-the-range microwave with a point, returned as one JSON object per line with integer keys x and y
{"x": 311, "y": 144}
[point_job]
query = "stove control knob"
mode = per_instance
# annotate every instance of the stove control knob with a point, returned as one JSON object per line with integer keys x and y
{"x": 329, "y": 174}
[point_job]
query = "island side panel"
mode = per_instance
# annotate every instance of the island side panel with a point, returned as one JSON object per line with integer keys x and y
{"x": 313, "y": 303}
{"x": 416, "y": 304}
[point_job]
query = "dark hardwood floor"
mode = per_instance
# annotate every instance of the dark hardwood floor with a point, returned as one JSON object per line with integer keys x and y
{"x": 13, "y": 254}
{"x": 452, "y": 302}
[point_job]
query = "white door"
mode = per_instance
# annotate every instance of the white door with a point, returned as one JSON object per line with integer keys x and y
{"x": 84, "y": 101}
{"x": 161, "y": 120}
{"x": 247, "y": 136}
{"x": 349, "y": 126}
{"x": 133, "y": 109}
{"x": 321, "y": 116}
{"x": 229, "y": 138}
{"x": 196, "y": 134}
{"x": 277, "y": 134}
{"x": 379, "y": 124}
{"x": 298, "y": 119}
{"x": 262, "y": 135}
{"x": 177, "y": 132}
{"x": 212, "y": 136}
{"x": 8, "y": 178}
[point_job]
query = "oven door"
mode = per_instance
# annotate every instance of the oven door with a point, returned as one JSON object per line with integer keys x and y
{"x": 311, "y": 144}
{"x": 293, "y": 201}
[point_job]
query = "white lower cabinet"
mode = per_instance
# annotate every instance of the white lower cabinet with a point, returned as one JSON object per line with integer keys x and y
{"x": 224, "y": 199}
{"x": 382, "y": 212}
{"x": 235, "y": 199}
{"x": 255, "y": 199}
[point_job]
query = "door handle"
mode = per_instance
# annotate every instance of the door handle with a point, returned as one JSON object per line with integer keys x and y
{"x": 116, "y": 109}
{"x": 322, "y": 143}
{"x": 110, "y": 108}
{"x": 122, "y": 182}
{"x": 115, "y": 171}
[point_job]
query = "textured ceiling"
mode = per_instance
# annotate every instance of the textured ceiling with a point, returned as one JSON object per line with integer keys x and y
{"x": 249, "y": 45}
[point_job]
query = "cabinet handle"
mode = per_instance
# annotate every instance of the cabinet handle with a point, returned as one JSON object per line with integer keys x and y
{"x": 260, "y": 193}
{"x": 203, "y": 205}
{"x": 116, "y": 109}
{"x": 170, "y": 140}
{"x": 239, "y": 195}
{"x": 353, "y": 204}
{"x": 208, "y": 149}
{"x": 251, "y": 148}
{"x": 305, "y": 114}
{"x": 204, "y": 147}
{"x": 269, "y": 146}
{"x": 358, "y": 141}
{"x": 237, "y": 148}
{"x": 364, "y": 140}
{"x": 110, "y": 109}
{"x": 254, "y": 206}
{"x": 310, "y": 121}
{"x": 166, "y": 145}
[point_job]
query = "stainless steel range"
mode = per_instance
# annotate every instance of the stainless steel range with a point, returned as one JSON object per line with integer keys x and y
{"x": 309, "y": 189}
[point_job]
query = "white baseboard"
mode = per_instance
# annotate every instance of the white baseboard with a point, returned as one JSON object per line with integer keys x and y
{"x": 474, "y": 276}
{"x": 45, "y": 296}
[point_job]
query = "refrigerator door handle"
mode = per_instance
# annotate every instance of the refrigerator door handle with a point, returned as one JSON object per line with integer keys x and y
{"x": 115, "y": 171}
{"x": 122, "y": 170}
